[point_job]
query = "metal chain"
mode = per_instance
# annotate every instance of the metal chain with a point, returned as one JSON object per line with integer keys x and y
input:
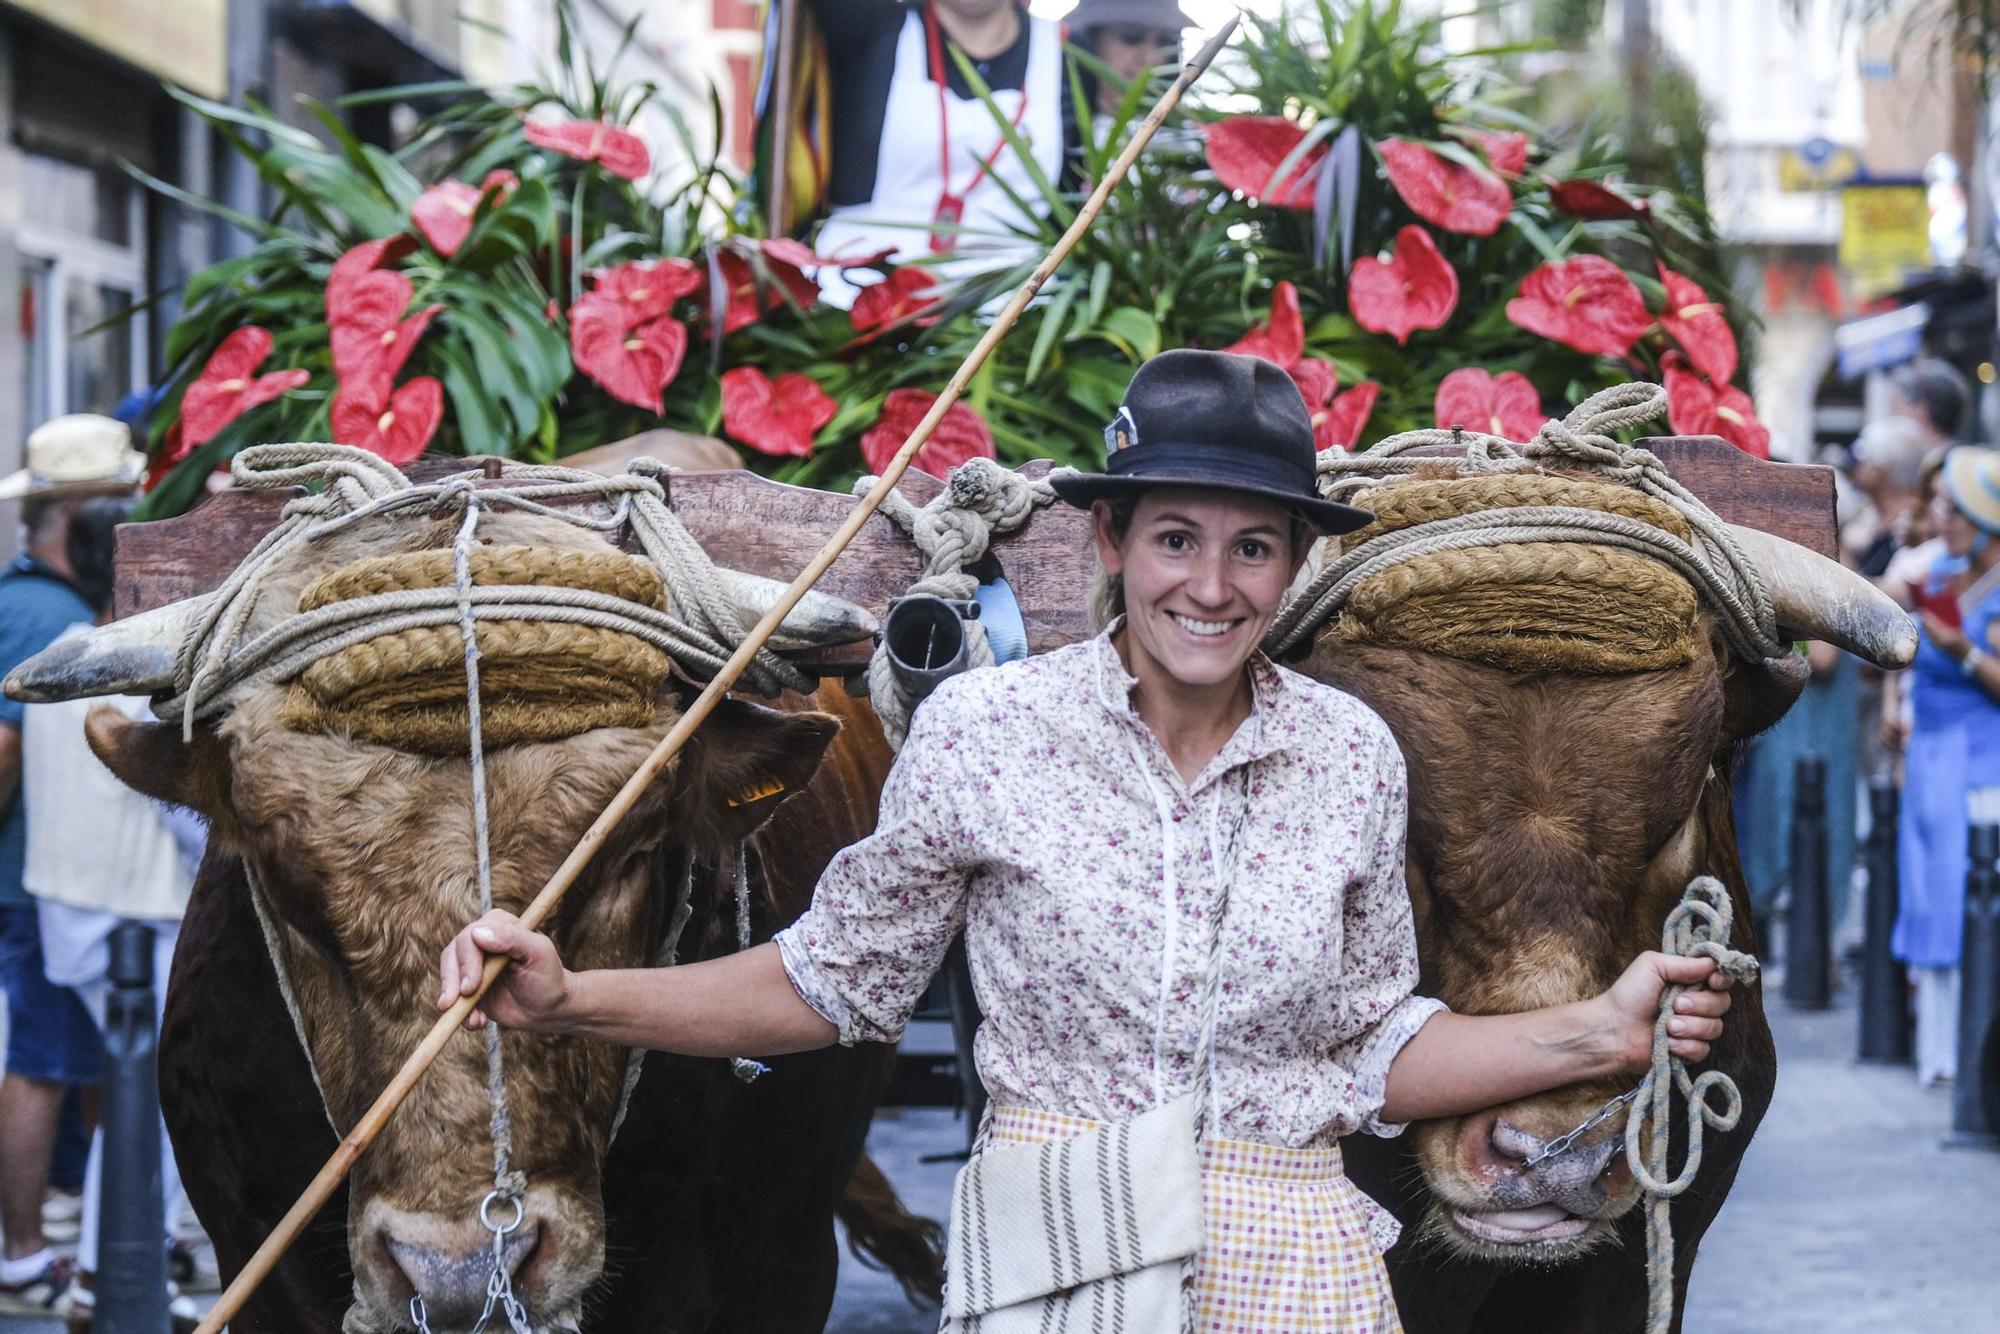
{"x": 1564, "y": 1142}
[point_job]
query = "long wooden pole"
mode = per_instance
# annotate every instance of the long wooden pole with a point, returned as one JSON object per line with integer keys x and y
{"x": 357, "y": 1140}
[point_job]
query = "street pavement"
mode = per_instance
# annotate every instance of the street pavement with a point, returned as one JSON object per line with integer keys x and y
{"x": 1848, "y": 1215}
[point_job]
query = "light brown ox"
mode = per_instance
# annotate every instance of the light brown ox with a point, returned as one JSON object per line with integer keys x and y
{"x": 365, "y": 856}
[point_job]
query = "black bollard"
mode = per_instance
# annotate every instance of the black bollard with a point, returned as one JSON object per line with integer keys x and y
{"x": 132, "y": 1245}
{"x": 1808, "y": 951}
{"x": 1978, "y": 988}
{"x": 1885, "y": 995}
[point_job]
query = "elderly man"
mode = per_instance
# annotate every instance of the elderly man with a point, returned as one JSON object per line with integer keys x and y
{"x": 51, "y": 1041}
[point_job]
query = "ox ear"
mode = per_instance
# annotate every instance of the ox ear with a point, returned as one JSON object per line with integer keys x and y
{"x": 151, "y": 758}
{"x": 740, "y": 766}
{"x": 1756, "y": 695}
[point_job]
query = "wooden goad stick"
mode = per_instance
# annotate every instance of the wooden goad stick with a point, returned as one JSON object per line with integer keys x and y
{"x": 363, "y": 1134}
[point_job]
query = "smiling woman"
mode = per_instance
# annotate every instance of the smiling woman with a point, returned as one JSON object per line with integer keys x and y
{"x": 1179, "y": 868}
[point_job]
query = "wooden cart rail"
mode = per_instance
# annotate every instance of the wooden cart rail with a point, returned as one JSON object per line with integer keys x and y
{"x": 750, "y": 523}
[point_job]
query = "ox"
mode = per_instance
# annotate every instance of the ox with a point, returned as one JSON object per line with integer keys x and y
{"x": 1554, "y": 821}
{"x": 698, "y": 1203}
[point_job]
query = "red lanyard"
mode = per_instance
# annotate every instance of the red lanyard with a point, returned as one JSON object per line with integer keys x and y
{"x": 951, "y": 204}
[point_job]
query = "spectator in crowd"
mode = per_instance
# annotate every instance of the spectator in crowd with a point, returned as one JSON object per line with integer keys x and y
{"x": 1131, "y": 37}
{"x": 1952, "y": 773}
{"x": 920, "y": 166}
{"x": 1933, "y": 394}
{"x": 1888, "y": 463}
{"x": 99, "y": 853}
{"x": 51, "y": 1042}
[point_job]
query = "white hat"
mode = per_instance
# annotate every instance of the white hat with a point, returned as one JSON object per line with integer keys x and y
{"x": 80, "y": 452}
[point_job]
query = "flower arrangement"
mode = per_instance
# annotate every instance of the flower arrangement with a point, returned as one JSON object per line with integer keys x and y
{"x": 512, "y": 281}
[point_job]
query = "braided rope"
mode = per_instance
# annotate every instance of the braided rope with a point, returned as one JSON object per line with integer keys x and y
{"x": 357, "y": 486}
{"x": 1699, "y": 926}
{"x": 981, "y": 501}
{"x": 1712, "y": 562}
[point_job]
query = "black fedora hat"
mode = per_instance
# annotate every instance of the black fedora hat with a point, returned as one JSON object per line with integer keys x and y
{"x": 1213, "y": 419}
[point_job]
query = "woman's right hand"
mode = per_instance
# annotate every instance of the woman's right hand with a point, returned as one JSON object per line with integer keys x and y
{"x": 530, "y": 992}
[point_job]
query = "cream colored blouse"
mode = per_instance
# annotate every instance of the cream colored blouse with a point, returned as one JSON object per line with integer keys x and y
{"x": 1032, "y": 807}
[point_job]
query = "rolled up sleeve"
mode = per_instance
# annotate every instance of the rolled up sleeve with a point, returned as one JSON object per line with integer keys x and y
{"x": 1378, "y": 961}
{"x": 886, "y": 908}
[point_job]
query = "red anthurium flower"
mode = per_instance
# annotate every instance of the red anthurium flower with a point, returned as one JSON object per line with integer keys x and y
{"x": 1244, "y": 152}
{"x": 960, "y": 435}
{"x": 632, "y": 365}
{"x": 370, "y": 344}
{"x": 618, "y": 151}
{"x": 778, "y": 416}
{"x": 1454, "y": 197}
{"x": 1506, "y": 150}
{"x": 1697, "y": 407}
{"x": 1699, "y": 326}
{"x": 1592, "y": 202}
{"x": 1282, "y": 339}
{"x": 364, "y": 259}
{"x": 1317, "y": 380}
{"x": 643, "y": 290}
{"x": 747, "y": 303}
{"x": 1505, "y": 405}
{"x": 1334, "y": 416}
{"x": 1587, "y": 303}
{"x": 395, "y": 425}
{"x": 1416, "y": 289}
{"x": 444, "y": 212}
{"x": 1343, "y": 420}
{"x": 228, "y": 387}
{"x": 907, "y": 291}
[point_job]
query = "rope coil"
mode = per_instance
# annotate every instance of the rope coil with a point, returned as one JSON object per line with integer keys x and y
{"x": 1707, "y": 555}
{"x": 981, "y": 501}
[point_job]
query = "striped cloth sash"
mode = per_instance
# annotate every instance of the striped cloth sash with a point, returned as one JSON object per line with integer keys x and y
{"x": 1092, "y": 1233}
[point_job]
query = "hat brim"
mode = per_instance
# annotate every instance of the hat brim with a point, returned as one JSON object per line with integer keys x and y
{"x": 26, "y": 485}
{"x": 1329, "y": 517}
{"x": 1973, "y": 482}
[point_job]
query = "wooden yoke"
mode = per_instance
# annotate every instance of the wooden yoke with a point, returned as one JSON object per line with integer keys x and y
{"x": 748, "y": 523}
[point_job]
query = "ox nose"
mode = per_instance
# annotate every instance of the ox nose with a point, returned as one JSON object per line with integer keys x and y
{"x": 1575, "y": 1177}
{"x": 450, "y": 1268}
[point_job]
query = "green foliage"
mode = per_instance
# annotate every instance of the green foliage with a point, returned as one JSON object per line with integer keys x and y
{"x": 1173, "y": 260}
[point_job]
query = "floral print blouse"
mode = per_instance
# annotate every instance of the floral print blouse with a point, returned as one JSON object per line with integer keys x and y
{"x": 1032, "y": 806}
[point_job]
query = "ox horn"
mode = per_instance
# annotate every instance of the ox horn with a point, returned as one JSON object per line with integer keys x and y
{"x": 819, "y": 621}
{"x": 1817, "y": 598}
{"x": 134, "y": 656}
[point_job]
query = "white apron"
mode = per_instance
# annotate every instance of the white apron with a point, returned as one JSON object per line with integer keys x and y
{"x": 908, "y": 186}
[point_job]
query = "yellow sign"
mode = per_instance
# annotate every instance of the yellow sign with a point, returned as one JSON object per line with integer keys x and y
{"x": 185, "y": 42}
{"x": 1884, "y": 233}
{"x": 1800, "y": 173}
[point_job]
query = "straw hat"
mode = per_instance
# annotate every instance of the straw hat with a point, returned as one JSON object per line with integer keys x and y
{"x": 75, "y": 454}
{"x": 1972, "y": 480}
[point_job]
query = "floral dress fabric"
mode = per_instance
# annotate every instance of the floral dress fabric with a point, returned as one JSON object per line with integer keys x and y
{"x": 1032, "y": 807}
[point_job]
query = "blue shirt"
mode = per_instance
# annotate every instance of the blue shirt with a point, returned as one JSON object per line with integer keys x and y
{"x": 36, "y": 605}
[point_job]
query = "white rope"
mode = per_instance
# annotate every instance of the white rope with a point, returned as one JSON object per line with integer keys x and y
{"x": 743, "y": 1067}
{"x": 1713, "y": 563}
{"x": 357, "y": 486}
{"x": 981, "y": 501}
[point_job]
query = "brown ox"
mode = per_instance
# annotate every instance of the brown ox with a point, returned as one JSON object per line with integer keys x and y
{"x": 711, "y": 1209}
{"x": 1555, "y": 819}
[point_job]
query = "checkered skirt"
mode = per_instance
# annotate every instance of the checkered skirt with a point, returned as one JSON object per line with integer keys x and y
{"x": 1287, "y": 1245}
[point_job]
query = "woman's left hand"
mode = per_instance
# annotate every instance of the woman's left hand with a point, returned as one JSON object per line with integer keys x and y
{"x": 1633, "y": 1006}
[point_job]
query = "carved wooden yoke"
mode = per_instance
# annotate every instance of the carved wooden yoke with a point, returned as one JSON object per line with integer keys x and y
{"x": 749, "y": 523}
